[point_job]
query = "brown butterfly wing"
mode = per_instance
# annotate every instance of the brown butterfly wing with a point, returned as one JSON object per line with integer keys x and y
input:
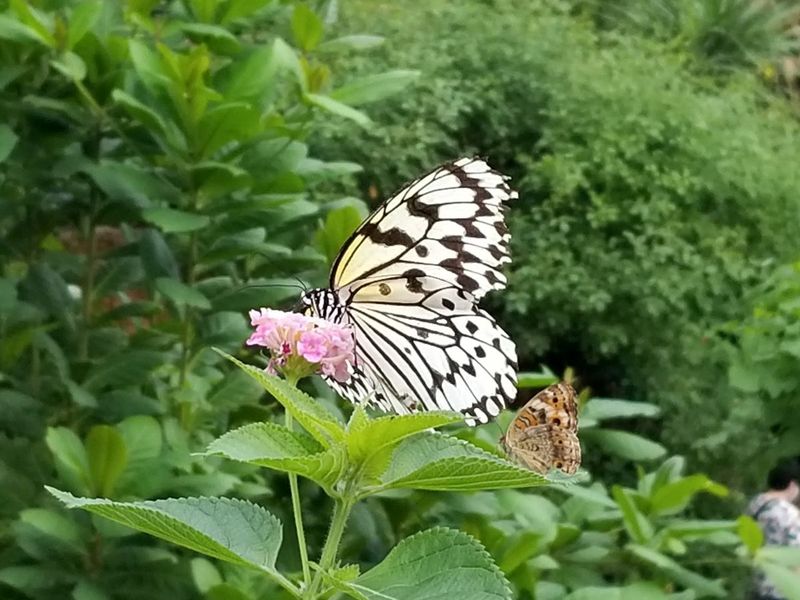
{"x": 544, "y": 433}
{"x": 534, "y": 449}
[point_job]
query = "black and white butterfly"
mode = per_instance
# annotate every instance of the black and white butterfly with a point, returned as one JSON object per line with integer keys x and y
{"x": 409, "y": 280}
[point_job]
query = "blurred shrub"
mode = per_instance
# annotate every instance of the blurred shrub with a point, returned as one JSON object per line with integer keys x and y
{"x": 155, "y": 183}
{"x": 721, "y": 33}
{"x": 650, "y": 196}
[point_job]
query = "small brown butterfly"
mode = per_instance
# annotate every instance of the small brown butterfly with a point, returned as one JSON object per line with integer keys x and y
{"x": 543, "y": 435}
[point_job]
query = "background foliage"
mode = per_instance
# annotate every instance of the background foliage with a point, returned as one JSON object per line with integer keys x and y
{"x": 159, "y": 161}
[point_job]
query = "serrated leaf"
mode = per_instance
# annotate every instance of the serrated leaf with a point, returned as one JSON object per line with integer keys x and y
{"x": 275, "y": 447}
{"x": 308, "y": 412}
{"x": 437, "y": 462}
{"x": 370, "y": 442}
{"x": 170, "y": 220}
{"x": 232, "y": 530}
{"x": 435, "y": 564}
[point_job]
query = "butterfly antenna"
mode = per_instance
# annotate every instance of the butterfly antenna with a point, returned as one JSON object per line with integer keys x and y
{"x": 269, "y": 285}
{"x": 302, "y": 283}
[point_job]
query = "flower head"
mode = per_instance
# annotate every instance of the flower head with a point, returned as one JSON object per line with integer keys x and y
{"x": 301, "y": 345}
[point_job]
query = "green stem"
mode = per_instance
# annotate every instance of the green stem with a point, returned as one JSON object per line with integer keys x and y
{"x": 285, "y": 584}
{"x": 341, "y": 511}
{"x": 298, "y": 514}
{"x": 186, "y": 333}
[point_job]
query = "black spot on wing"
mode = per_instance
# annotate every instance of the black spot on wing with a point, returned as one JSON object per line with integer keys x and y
{"x": 390, "y": 237}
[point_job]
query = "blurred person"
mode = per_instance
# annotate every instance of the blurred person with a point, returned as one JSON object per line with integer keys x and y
{"x": 778, "y": 517}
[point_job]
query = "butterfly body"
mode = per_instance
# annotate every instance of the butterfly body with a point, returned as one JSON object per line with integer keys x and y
{"x": 408, "y": 281}
{"x": 544, "y": 435}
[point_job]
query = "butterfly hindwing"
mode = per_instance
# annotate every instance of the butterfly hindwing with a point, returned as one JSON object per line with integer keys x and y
{"x": 544, "y": 432}
{"x": 431, "y": 343}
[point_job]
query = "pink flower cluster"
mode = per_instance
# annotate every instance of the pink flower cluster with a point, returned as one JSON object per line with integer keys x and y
{"x": 303, "y": 344}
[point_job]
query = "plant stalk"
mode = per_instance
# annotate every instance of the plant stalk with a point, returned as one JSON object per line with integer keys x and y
{"x": 341, "y": 511}
{"x": 298, "y": 514}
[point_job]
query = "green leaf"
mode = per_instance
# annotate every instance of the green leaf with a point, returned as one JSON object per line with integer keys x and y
{"x": 170, "y": 220}
{"x": 40, "y": 22}
{"x": 374, "y": 88}
{"x": 285, "y": 57}
{"x": 8, "y": 139}
{"x": 432, "y": 565}
{"x": 70, "y": 65}
{"x": 339, "y": 225}
{"x": 81, "y": 20}
{"x": 353, "y": 42}
{"x": 787, "y": 556}
{"x": 638, "y": 527}
{"x": 47, "y": 289}
{"x": 337, "y": 108}
{"x": 231, "y": 530}
{"x": 600, "y": 409}
{"x": 437, "y": 462}
{"x": 690, "y": 579}
{"x": 306, "y": 411}
{"x": 370, "y": 442}
{"x": 624, "y": 444}
{"x": 673, "y": 497}
{"x": 129, "y": 184}
{"x": 306, "y": 27}
{"x": 12, "y": 29}
{"x": 157, "y": 256}
{"x": 89, "y": 591}
{"x": 127, "y": 368}
{"x": 219, "y": 39}
{"x": 56, "y": 525}
{"x": 182, "y": 295}
{"x": 250, "y": 77}
{"x": 70, "y": 457}
{"x": 107, "y": 455}
{"x": 543, "y": 378}
{"x": 227, "y": 123}
{"x": 636, "y": 591}
{"x": 273, "y": 446}
{"x": 155, "y": 123}
{"x": 786, "y": 580}
{"x": 205, "y": 574}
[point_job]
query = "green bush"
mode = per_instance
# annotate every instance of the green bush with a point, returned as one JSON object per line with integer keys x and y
{"x": 651, "y": 198}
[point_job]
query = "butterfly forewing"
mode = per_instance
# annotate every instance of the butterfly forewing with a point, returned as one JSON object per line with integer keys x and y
{"x": 409, "y": 280}
{"x": 543, "y": 435}
{"x": 448, "y": 224}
